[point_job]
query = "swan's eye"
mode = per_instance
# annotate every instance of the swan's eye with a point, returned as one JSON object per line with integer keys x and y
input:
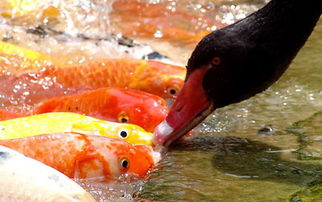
{"x": 216, "y": 61}
{"x": 123, "y": 133}
{"x": 123, "y": 118}
{"x": 124, "y": 163}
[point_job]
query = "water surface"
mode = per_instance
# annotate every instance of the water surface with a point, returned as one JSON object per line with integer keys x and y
{"x": 267, "y": 148}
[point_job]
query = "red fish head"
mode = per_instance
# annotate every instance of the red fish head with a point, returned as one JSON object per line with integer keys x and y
{"x": 159, "y": 78}
{"x": 136, "y": 107}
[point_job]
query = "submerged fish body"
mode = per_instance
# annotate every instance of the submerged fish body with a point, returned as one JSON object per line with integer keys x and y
{"x": 35, "y": 181}
{"x": 58, "y": 122}
{"x": 86, "y": 156}
{"x": 111, "y": 104}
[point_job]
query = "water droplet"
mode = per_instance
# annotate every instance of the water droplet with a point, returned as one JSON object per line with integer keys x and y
{"x": 17, "y": 87}
{"x": 158, "y": 34}
{"x": 26, "y": 93}
{"x": 210, "y": 6}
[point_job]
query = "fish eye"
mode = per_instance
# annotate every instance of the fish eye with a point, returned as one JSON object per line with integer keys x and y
{"x": 124, "y": 163}
{"x": 172, "y": 90}
{"x": 123, "y": 118}
{"x": 123, "y": 133}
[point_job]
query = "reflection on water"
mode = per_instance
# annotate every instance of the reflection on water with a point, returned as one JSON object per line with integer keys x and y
{"x": 229, "y": 158}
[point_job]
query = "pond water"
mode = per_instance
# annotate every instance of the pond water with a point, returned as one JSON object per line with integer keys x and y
{"x": 257, "y": 150}
{"x": 267, "y": 148}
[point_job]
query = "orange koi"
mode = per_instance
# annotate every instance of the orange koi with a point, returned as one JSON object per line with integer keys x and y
{"x": 89, "y": 156}
{"x": 111, "y": 104}
{"x": 151, "y": 76}
{"x": 154, "y": 77}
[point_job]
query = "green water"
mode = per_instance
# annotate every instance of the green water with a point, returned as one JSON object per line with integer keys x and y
{"x": 268, "y": 148}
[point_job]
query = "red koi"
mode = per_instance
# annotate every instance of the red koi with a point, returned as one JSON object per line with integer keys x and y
{"x": 111, "y": 104}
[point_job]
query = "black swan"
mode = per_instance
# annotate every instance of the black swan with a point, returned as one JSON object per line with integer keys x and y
{"x": 236, "y": 62}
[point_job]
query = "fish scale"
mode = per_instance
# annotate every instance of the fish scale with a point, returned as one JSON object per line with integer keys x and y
{"x": 112, "y": 73}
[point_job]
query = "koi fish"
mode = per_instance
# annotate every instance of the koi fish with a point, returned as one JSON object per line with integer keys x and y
{"x": 154, "y": 77}
{"x": 36, "y": 181}
{"x": 111, "y": 104}
{"x": 57, "y": 122}
{"x": 89, "y": 156}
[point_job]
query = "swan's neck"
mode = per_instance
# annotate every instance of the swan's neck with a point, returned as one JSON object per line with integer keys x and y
{"x": 282, "y": 25}
{"x": 255, "y": 51}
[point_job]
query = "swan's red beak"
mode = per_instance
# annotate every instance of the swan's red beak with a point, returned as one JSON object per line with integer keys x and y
{"x": 188, "y": 110}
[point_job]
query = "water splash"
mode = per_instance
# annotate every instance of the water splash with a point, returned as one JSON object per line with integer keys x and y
{"x": 80, "y": 16}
